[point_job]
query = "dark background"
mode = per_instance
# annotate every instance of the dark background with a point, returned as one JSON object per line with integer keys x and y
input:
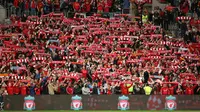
{"x": 101, "y": 102}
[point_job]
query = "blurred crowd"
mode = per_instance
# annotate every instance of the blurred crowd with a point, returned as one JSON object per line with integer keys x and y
{"x": 52, "y": 54}
{"x": 39, "y": 7}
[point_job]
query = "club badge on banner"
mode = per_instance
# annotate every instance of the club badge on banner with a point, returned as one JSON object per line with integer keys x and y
{"x": 123, "y": 103}
{"x": 29, "y": 103}
{"x": 76, "y": 103}
{"x": 170, "y": 103}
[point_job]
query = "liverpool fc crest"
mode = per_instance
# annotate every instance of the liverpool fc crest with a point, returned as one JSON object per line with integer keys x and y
{"x": 123, "y": 103}
{"x": 170, "y": 103}
{"x": 76, "y": 103}
{"x": 29, "y": 103}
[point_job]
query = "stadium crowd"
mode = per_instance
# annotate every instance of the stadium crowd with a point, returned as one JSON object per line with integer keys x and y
{"x": 52, "y": 54}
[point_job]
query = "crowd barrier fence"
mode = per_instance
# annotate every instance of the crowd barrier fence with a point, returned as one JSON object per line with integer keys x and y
{"x": 102, "y": 102}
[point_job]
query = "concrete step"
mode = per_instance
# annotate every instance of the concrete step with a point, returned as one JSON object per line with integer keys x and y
{"x": 3, "y": 13}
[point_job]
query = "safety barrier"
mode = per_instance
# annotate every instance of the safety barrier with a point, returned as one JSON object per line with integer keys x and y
{"x": 102, "y": 102}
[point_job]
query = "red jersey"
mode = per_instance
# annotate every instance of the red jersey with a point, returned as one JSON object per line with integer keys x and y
{"x": 27, "y": 5}
{"x": 189, "y": 91}
{"x": 110, "y": 2}
{"x": 87, "y": 5}
{"x": 40, "y": 6}
{"x": 23, "y": 90}
{"x": 16, "y": 90}
{"x": 76, "y": 6}
{"x": 33, "y": 4}
{"x": 16, "y": 3}
{"x": 10, "y": 90}
{"x": 100, "y": 6}
{"x": 49, "y": 2}
{"x": 165, "y": 91}
{"x": 171, "y": 89}
{"x": 84, "y": 73}
{"x": 109, "y": 92}
{"x": 37, "y": 91}
{"x": 70, "y": 90}
{"x": 107, "y": 7}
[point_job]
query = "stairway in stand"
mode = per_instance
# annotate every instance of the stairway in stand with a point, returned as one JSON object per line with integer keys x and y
{"x": 2, "y": 13}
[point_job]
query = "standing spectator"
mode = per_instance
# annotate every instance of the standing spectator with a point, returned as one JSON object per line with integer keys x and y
{"x": 165, "y": 21}
{"x": 198, "y": 9}
{"x": 165, "y": 90}
{"x": 16, "y": 88}
{"x": 84, "y": 72}
{"x": 156, "y": 16}
{"x": 26, "y": 7}
{"x": 106, "y": 6}
{"x": 69, "y": 89}
{"x": 16, "y": 5}
{"x": 146, "y": 77}
{"x": 179, "y": 90}
{"x": 147, "y": 89}
{"x": 33, "y": 7}
{"x": 21, "y": 7}
{"x": 117, "y": 89}
{"x": 85, "y": 90}
{"x": 100, "y": 5}
{"x": 10, "y": 89}
{"x": 23, "y": 89}
{"x": 77, "y": 89}
{"x": 189, "y": 89}
{"x": 40, "y": 7}
{"x": 126, "y": 6}
{"x": 63, "y": 8}
{"x": 56, "y": 5}
{"x": 62, "y": 88}
{"x": 184, "y": 6}
{"x": 32, "y": 89}
{"x": 37, "y": 89}
{"x": 95, "y": 89}
{"x": 87, "y": 6}
{"x": 76, "y": 6}
{"x": 50, "y": 88}
{"x": 144, "y": 18}
{"x": 172, "y": 88}
{"x": 94, "y": 6}
{"x": 183, "y": 28}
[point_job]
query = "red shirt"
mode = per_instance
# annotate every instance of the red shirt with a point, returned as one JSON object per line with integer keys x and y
{"x": 40, "y": 5}
{"x": 171, "y": 90}
{"x": 76, "y": 6}
{"x": 189, "y": 91}
{"x": 70, "y": 90}
{"x": 109, "y": 92}
{"x": 87, "y": 5}
{"x": 16, "y": 90}
{"x": 100, "y": 6}
{"x": 16, "y": 3}
{"x": 27, "y": 5}
{"x": 165, "y": 91}
{"x": 23, "y": 90}
{"x": 124, "y": 90}
{"x": 33, "y": 4}
{"x": 10, "y": 90}
{"x": 109, "y": 3}
{"x": 37, "y": 91}
{"x": 84, "y": 73}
